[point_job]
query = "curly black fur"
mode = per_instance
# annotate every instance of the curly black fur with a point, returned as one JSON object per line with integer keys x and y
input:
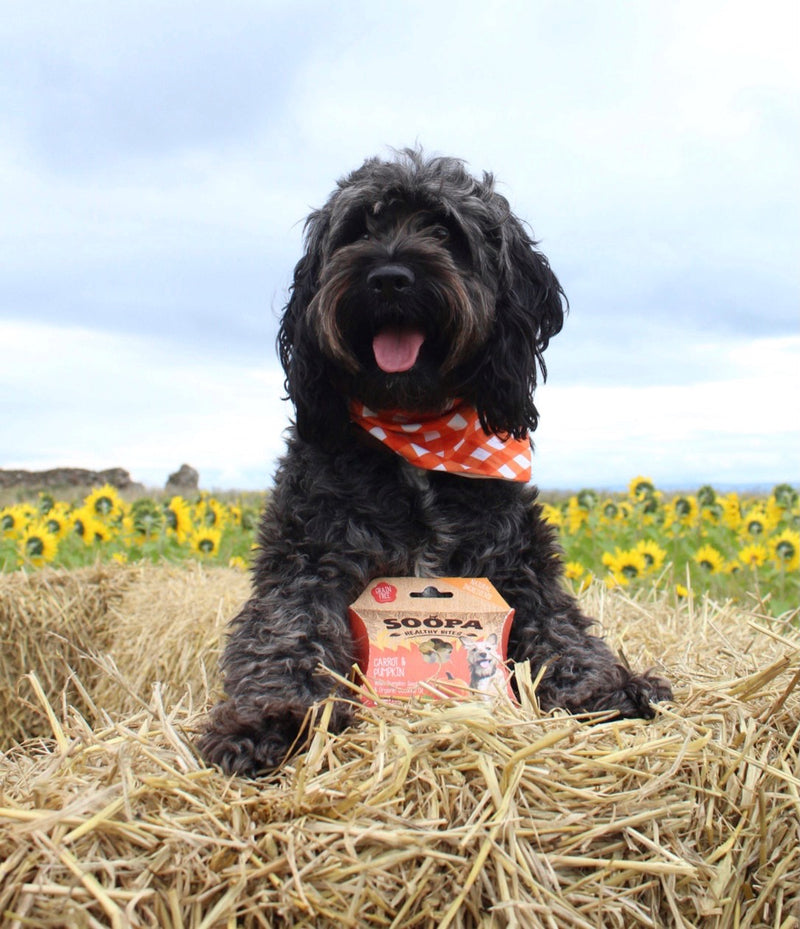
{"x": 345, "y": 510}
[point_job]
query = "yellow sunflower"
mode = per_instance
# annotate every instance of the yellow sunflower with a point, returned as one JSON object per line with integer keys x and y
{"x": 210, "y": 512}
{"x": 649, "y": 507}
{"x": 640, "y": 488}
{"x": 205, "y": 541}
{"x": 58, "y": 521}
{"x": 753, "y": 556}
{"x": 13, "y": 520}
{"x": 36, "y": 545}
{"x": 682, "y": 510}
{"x": 105, "y": 503}
{"x": 573, "y": 570}
{"x": 731, "y": 510}
{"x": 178, "y": 515}
{"x": 625, "y": 566}
{"x": 756, "y": 523}
{"x": 102, "y": 532}
{"x": 785, "y": 549}
{"x": 625, "y": 511}
{"x": 576, "y": 515}
{"x": 711, "y": 513}
{"x": 773, "y": 510}
{"x": 609, "y": 510}
{"x": 631, "y": 564}
{"x": 709, "y": 559}
{"x": 86, "y": 525}
{"x": 652, "y": 553}
{"x": 552, "y": 514}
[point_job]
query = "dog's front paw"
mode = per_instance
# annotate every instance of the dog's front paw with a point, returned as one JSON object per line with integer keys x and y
{"x": 256, "y": 740}
{"x": 246, "y": 743}
{"x": 637, "y": 694}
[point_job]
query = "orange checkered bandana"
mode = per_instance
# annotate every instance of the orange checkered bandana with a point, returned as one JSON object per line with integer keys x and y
{"x": 452, "y": 441}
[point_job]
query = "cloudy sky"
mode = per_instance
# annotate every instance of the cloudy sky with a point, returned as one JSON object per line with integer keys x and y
{"x": 157, "y": 160}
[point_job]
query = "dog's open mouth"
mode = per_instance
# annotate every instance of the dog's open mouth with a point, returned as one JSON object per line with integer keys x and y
{"x": 396, "y": 348}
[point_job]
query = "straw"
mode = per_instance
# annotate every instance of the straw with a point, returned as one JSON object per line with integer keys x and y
{"x": 47, "y": 619}
{"x": 426, "y": 813}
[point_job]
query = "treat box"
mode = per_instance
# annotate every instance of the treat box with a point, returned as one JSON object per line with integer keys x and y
{"x": 439, "y": 637}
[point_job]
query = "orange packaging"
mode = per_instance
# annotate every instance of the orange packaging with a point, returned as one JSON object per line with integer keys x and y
{"x": 450, "y": 633}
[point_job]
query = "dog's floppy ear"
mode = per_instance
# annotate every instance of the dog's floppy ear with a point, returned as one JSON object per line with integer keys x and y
{"x": 529, "y": 311}
{"x": 320, "y": 410}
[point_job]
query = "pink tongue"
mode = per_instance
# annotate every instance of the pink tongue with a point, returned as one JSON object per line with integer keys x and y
{"x": 397, "y": 349}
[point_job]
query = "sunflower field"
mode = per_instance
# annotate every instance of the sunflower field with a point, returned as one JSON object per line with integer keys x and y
{"x": 104, "y": 527}
{"x": 741, "y": 550}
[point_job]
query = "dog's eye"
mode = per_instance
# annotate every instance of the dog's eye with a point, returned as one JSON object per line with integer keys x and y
{"x": 442, "y": 233}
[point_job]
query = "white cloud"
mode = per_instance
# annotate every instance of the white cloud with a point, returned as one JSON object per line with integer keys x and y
{"x": 97, "y": 400}
{"x": 736, "y": 430}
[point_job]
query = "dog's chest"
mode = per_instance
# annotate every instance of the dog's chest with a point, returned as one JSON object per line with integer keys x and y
{"x": 440, "y": 535}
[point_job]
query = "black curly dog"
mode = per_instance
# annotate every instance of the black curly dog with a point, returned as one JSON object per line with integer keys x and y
{"x": 418, "y": 248}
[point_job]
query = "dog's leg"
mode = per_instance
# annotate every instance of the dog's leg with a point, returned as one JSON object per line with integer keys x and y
{"x": 582, "y": 674}
{"x": 273, "y": 677}
{"x": 319, "y": 544}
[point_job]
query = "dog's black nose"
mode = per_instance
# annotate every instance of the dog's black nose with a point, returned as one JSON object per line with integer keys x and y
{"x": 389, "y": 279}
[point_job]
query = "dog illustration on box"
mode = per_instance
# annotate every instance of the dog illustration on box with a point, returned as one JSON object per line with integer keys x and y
{"x": 487, "y": 673}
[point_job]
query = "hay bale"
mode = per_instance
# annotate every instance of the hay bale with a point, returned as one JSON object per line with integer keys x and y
{"x": 106, "y": 635}
{"x": 49, "y": 621}
{"x": 166, "y": 630}
{"x": 433, "y": 814}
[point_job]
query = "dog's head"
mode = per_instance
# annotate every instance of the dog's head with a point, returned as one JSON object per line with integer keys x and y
{"x": 482, "y": 655}
{"x": 418, "y": 285}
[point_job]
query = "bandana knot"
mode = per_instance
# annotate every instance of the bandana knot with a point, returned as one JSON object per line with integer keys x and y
{"x": 452, "y": 441}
